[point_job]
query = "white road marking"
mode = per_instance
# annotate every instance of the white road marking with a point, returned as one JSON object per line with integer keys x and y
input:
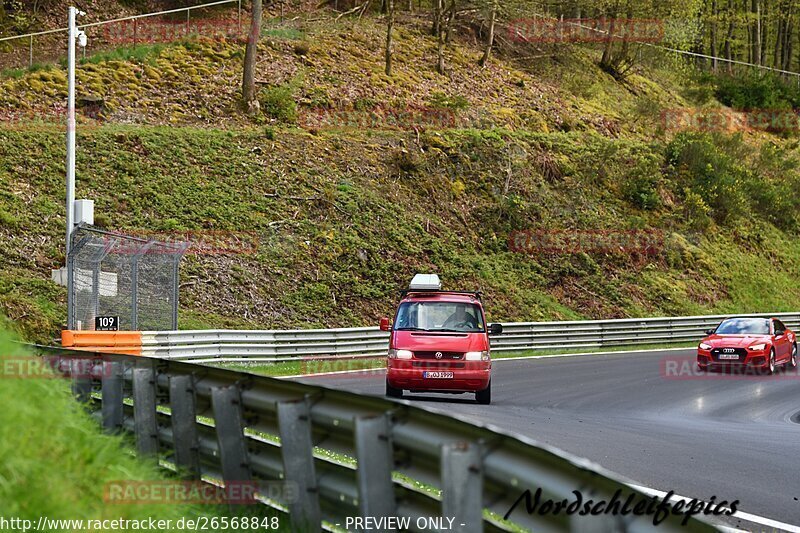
{"x": 577, "y": 354}
{"x": 377, "y": 369}
{"x": 738, "y": 514}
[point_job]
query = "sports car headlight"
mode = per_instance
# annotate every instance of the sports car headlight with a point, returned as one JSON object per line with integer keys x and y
{"x": 400, "y": 354}
{"x": 704, "y": 346}
{"x": 757, "y": 347}
{"x": 477, "y": 356}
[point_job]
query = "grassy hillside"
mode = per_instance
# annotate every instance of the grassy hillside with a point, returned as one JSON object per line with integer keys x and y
{"x": 345, "y": 215}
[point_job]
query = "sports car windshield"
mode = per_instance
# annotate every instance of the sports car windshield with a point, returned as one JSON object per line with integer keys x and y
{"x": 439, "y": 316}
{"x": 744, "y": 326}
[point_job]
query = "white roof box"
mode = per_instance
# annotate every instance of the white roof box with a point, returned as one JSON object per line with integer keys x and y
{"x": 425, "y": 282}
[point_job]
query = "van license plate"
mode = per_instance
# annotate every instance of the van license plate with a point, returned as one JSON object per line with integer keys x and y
{"x": 437, "y": 375}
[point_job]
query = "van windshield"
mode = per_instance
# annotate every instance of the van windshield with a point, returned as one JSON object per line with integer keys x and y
{"x": 439, "y": 316}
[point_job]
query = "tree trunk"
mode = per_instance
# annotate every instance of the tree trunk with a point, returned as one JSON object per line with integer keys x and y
{"x": 778, "y": 39}
{"x": 451, "y": 15}
{"x": 490, "y": 41}
{"x": 249, "y": 95}
{"x": 759, "y": 58}
{"x": 763, "y": 30}
{"x": 606, "y": 60}
{"x": 437, "y": 16}
{"x": 389, "y": 27}
{"x": 729, "y": 36}
{"x": 787, "y": 48}
{"x": 746, "y": 8}
{"x": 713, "y": 30}
{"x": 440, "y": 45}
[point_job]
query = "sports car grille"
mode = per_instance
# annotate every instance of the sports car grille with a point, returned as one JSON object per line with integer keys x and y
{"x": 444, "y": 357}
{"x": 741, "y": 352}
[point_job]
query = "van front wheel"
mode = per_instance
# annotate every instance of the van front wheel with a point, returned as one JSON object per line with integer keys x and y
{"x": 484, "y": 397}
{"x": 391, "y": 392}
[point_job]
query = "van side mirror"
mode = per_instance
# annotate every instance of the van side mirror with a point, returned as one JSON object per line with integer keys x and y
{"x": 385, "y": 325}
{"x": 495, "y": 329}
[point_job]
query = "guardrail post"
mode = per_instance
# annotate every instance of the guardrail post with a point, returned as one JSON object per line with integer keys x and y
{"x": 184, "y": 424}
{"x": 601, "y": 328}
{"x": 80, "y": 371}
{"x": 144, "y": 411}
{"x": 462, "y": 486}
{"x": 229, "y": 421}
{"x": 374, "y": 474}
{"x": 297, "y": 450}
{"x": 112, "y": 390}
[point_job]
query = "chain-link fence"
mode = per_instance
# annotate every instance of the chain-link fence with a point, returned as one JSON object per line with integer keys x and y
{"x": 114, "y": 275}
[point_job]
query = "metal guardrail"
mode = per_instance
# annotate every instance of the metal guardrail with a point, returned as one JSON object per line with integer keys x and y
{"x": 286, "y": 345}
{"x": 341, "y": 454}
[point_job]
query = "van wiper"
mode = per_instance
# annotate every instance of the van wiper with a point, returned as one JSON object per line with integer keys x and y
{"x": 411, "y": 329}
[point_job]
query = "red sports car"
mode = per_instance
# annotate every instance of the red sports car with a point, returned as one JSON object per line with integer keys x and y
{"x": 745, "y": 342}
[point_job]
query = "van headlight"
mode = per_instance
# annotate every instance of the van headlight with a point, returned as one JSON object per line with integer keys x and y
{"x": 400, "y": 354}
{"x": 477, "y": 356}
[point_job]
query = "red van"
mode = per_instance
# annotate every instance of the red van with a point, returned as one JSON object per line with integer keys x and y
{"x": 439, "y": 342}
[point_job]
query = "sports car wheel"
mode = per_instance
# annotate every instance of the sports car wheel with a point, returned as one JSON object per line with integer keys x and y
{"x": 771, "y": 368}
{"x": 793, "y": 359}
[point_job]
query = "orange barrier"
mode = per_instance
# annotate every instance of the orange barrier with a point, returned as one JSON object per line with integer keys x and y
{"x": 123, "y": 342}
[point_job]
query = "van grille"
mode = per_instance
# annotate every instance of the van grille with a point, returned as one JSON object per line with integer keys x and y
{"x": 445, "y": 355}
{"x": 437, "y": 364}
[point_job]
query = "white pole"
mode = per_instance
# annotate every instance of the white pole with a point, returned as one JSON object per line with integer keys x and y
{"x": 71, "y": 126}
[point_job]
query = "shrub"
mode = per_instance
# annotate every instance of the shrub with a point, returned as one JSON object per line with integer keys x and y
{"x": 278, "y": 103}
{"x": 440, "y": 100}
{"x": 756, "y": 91}
{"x": 641, "y": 191}
{"x": 711, "y": 169}
{"x": 704, "y": 166}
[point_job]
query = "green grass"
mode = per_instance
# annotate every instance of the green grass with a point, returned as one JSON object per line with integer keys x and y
{"x": 55, "y": 460}
{"x": 291, "y": 34}
{"x": 13, "y": 73}
{"x": 295, "y": 368}
{"x": 143, "y": 53}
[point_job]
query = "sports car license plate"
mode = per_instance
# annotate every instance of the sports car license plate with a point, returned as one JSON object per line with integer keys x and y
{"x": 437, "y": 375}
{"x": 729, "y": 356}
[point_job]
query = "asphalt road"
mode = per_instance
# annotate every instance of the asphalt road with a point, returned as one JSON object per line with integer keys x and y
{"x": 654, "y": 422}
